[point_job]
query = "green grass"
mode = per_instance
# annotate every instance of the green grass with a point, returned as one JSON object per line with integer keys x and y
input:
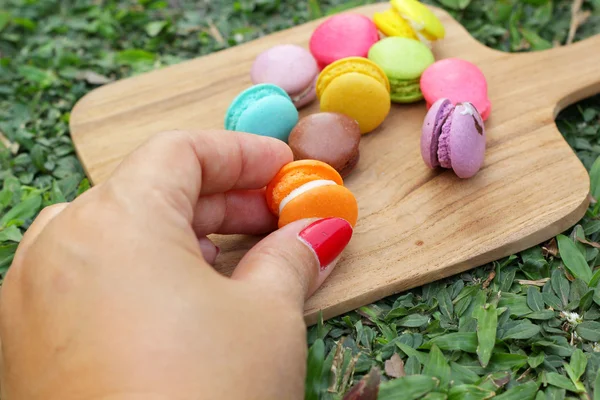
{"x": 484, "y": 332}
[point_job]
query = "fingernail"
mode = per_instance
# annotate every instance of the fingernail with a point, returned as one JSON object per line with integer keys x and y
{"x": 327, "y": 238}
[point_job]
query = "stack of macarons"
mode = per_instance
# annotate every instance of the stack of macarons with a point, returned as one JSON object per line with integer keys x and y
{"x": 356, "y": 67}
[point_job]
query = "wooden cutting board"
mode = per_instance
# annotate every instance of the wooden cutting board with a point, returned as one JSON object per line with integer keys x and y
{"x": 415, "y": 225}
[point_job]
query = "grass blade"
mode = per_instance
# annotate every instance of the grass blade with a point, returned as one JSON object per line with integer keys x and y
{"x": 438, "y": 366}
{"x": 525, "y": 391}
{"x": 407, "y": 388}
{"x": 314, "y": 368}
{"x": 487, "y": 322}
{"x": 573, "y": 259}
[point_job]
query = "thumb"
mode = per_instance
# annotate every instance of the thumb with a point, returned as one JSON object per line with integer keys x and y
{"x": 296, "y": 259}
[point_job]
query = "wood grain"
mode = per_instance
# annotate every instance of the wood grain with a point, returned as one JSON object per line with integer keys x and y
{"x": 415, "y": 225}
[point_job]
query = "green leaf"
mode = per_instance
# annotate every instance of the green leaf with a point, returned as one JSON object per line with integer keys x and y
{"x": 407, "y": 387}
{"x": 537, "y": 43}
{"x": 435, "y": 396}
{"x": 560, "y": 381}
{"x": 437, "y": 366}
{"x": 534, "y": 299}
{"x": 456, "y": 4}
{"x": 412, "y": 366}
{"x": 465, "y": 341}
{"x": 409, "y": 351}
{"x": 506, "y": 361}
{"x": 595, "y": 279}
{"x": 7, "y": 253}
{"x": 578, "y": 363}
{"x": 314, "y": 369}
{"x": 561, "y": 286}
{"x": 461, "y": 374}
{"x": 445, "y": 303}
{"x": 4, "y": 19}
{"x": 524, "y": 330}
{"x": 155, "y": 27}
{"x": 573, "y": 259}
{"x": 22, "y": 211}
{"x": 537, "y": 360}
{"x": 541, "y": 315}
{"x": 487, "y": 322}
{"x": 525, "y": 391}
{"x": 555, "y": 393}
{"x": 413, "y": 321}
{"x": 586, "y": 301}
{"x": 597, "y": 385}
{"x": 10, "y": 234}
{"x": 37, "y": 76}
{"x": 134, "y": 56}
{"x": 589, "y": 330}
{"x": 314, "y": 10}
{"x": 469, "y": 392}
{"x": 595, "y": 180}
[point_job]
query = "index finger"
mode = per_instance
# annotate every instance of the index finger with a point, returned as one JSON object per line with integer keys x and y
{"x": 188, "y": 164}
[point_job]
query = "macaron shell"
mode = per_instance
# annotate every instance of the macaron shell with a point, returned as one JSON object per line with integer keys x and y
{"x": 401, "y": 58}
{"x": 351, "y": 64}
{"x": 321, "y": 202}
{"x": 333, "y": 138}
{"x": 390, "y": 23}
{"x": 430, "y": 132}
{"x": 288, "y": 66}
{"x": 467, "y": 141}
{"x": 360, "y": 97}
{"x": 459, "y": 81}
{"x": 422, "y": 18}
{"x": 307, "y": 96}
{"x": 342, "y": 35}
{"x": 280, "y": 113}
{"x": 295, "y": 174}
{"x": 248, "y": 97}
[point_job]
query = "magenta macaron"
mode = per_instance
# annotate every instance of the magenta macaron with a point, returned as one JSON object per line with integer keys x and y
{"x": 290, "y": 67}
{"x": 453, "y": 137}
{"x": 341, "y": 36}
{"x": 457, "y": 80}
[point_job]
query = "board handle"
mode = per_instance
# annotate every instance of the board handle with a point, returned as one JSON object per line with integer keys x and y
{"x": 570, "y": 73}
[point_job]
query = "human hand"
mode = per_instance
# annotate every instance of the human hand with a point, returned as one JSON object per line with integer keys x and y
{"x": 112, "y": 296}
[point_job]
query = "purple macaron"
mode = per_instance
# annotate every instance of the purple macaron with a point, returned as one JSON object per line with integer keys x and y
{"x": 453, "y": 137}
{"x": 290, "y": 67}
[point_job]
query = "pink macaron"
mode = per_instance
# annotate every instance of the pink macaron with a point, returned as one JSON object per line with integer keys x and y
{"x": 343, "y": 35}
{"x": 290, "y": 67}
{"x": 453, "y": 137}
{"x": 457, "y": 80}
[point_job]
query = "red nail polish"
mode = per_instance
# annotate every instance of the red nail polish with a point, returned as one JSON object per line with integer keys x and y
{"x": 328, "y": 238}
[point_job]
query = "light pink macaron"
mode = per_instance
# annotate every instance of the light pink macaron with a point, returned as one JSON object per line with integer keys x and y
{"x": 453, "y": 137}
{"x": 457, "y": 80}
{"x": 290, "y": 67}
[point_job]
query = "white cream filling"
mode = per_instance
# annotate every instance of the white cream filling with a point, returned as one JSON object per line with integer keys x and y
{"x": 303, "y": 189}
{"x": 469, "y": 109}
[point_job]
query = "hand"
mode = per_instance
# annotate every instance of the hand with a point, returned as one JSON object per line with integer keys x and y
{"x": 112, "y": 296}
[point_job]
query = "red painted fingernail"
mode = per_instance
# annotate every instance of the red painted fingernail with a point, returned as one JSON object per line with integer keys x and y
{"x": 328, "y": 238}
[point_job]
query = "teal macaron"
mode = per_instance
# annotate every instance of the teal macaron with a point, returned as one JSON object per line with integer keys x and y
{"x": 263, "y": 109}
{"x": 403, "y": 60}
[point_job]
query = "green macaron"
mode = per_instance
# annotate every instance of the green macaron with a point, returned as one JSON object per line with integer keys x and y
{"x": 403, "y": 61}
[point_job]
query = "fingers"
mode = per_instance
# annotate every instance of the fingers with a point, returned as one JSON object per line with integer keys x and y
{"x": 178, "y": 167}
{"x": 41, "y": 221}
{"x": 296, "y": 259}
{"x": 242, "y": 212}
{"x": 208, "y": 249}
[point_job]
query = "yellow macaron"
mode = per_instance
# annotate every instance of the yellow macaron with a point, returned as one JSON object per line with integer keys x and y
{"x": 358, "y": 88}
{"x": 420, "y": 18}
{"x": 390, "y": 23}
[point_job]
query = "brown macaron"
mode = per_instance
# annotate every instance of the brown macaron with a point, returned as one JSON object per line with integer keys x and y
{"x": 329, "y": 137}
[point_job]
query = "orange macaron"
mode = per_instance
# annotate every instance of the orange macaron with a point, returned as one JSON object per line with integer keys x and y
{"x": 310, "y": 189}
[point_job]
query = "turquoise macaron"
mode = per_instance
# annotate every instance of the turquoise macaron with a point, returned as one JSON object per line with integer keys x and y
{"x": 263, "y": 109}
